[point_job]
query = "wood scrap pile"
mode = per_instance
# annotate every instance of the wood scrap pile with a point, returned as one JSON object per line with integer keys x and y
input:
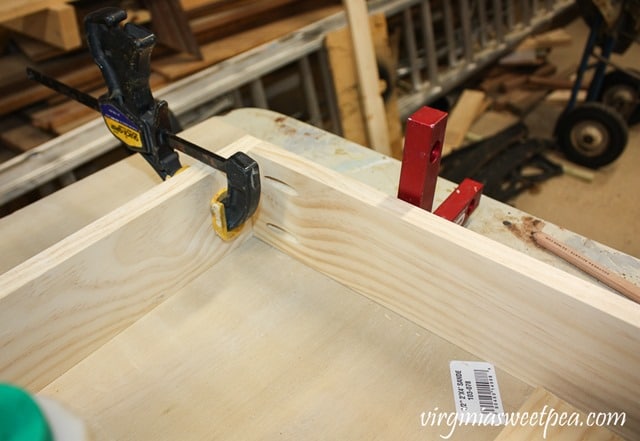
{"x": 508, "y": 91}
{"x": 523, "y": 78}
{"x": 192, "y": 35}
{"x": 486, "y": 138}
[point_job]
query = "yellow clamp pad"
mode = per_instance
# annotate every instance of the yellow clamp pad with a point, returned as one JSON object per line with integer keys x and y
{"x": 219, "y": 218}
{"x": 181, "y": 169}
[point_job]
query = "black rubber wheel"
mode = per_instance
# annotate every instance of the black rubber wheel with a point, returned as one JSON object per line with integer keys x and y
{"x": 622, "y": 92}
{"x": 592, "y": 134}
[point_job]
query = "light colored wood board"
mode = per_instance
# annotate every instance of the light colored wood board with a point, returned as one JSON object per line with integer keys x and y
{"x": 180, "y": 65}
{"x": 524, "y": 57}
{"x": 345, "y": 81}
{"x": 527, "y": 271}
{"x": 24, "y": 137}
{"x": 263, "y": 347}
{"x": 491, "y": 122}
{"x": 461, "y": 117}
{"x": 57, "y": 25}
{"x": 539, "y": 323}
{"x": 71, "y": 208}
{"x": 74, "y": 207}
{"x": 562, "y": 96}
{"x": 371, "y": 103}
{"x": 535, "y": 432}
{"x": 65, "y": 302}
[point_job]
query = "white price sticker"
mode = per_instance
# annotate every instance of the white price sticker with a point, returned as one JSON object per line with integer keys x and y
{"x": 476, "y": 393}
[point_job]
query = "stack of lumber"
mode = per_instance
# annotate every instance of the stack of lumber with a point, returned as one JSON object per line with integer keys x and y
{"x": 220, "y": 29}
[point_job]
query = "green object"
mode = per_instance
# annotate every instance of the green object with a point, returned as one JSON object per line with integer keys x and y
{"x": 20, "y": 417}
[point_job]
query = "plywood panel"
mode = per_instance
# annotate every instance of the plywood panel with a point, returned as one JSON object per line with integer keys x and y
{"x": 263, "y": 347}
{"x": 539, "y": 323}
{"x": 65, "y": 302}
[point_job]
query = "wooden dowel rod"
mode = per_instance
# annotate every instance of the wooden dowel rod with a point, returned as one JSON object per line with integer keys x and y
{"x": 589, "y": 266}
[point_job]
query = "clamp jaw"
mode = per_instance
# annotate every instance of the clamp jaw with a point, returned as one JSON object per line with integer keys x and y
{"x": 145, "y": 125}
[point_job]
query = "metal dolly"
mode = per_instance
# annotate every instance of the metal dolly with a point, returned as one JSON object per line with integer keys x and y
{"x": 595, "y": 133}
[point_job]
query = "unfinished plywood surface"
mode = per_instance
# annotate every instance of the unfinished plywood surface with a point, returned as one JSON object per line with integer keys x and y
{"x": 62, "y": 304}
{"x": 262, "y": 347}
{"x": 425, "y": 268}
{"x": 126, "y": 180}
{"x": 542, "y": 401}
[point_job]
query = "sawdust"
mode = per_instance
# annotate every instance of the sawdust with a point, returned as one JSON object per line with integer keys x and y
{"x": 525, "y": 229}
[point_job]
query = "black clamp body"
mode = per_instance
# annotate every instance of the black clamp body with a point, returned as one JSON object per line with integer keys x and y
{"x": 144, "y": 124}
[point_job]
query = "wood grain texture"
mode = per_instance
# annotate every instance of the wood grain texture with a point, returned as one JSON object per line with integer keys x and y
{"x": 57, "y": 25}
{"x": 345, "y": 82}
{"x": 536, "y": 322}
{"x": 67, "y": 301}
{"x": 262, "y": 347}
{"x": 126, "y": 180}
{"x": 541, "y": 400}
{"x": 375, "y": 121}
{"x": 540, "y": 324}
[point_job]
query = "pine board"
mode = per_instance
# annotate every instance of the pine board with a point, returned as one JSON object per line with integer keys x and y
{"x": 345, "y": 81}
{"x": 262, "y": 347}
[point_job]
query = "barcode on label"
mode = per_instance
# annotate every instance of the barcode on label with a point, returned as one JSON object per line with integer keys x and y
{"x": 475, "y": 392}
{"x": 484, "y": 387}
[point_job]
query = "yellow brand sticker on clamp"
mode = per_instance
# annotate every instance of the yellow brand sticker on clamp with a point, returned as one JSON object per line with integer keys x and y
{"x": 124, "y": 133}
{"x": 120, "y": 126}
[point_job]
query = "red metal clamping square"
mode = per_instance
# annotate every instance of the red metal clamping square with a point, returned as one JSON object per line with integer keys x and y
{"x": 424, "y": 138}
{"x": 461, "y": 202}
